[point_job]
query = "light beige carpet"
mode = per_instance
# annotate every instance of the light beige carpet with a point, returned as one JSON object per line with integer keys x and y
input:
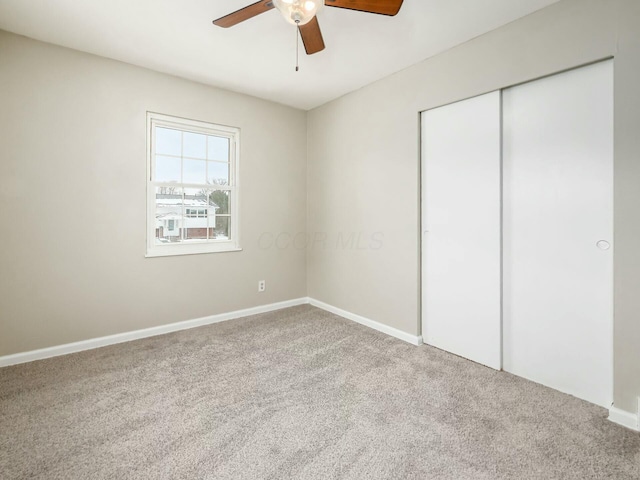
{"x": 295, "y": 394}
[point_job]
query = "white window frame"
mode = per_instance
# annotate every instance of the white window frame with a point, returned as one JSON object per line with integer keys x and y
{"x": 205, "y": 246}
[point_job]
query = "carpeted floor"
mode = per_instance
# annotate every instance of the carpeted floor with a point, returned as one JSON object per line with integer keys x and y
{"x": 295, "y": 394}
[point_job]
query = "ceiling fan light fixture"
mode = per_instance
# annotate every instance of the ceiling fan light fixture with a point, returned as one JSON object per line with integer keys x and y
{"x": 298, "y": 12}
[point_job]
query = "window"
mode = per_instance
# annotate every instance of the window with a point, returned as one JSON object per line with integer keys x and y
{"x": 193, "y": 213}
{"x": 192, "y": 189}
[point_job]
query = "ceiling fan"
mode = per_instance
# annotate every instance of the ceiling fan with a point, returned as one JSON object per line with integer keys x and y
{"x": 302, "y": 13}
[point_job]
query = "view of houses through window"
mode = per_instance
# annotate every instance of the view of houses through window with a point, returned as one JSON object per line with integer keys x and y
{"x": 192, "y": 176}
{"x": 182, "y": 215}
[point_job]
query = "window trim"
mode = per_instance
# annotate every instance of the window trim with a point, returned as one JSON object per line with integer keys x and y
{"x": 195, "y": 126}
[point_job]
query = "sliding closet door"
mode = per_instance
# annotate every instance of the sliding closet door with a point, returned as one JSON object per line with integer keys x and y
{"x": 558, "y": 225}
{"x": 461, "y": 229}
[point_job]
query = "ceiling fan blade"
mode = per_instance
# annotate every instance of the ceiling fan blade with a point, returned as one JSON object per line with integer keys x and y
{"x": 312, "y": 36}
{"x": 244, "y": 14}
{"x": 381, "y": 7}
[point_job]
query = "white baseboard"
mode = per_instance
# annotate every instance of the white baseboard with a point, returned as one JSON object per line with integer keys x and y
{"x": 381, "y": 327}
{"x": 624, "y": 418}
{"x": 144, "y": 333}
{"x": 198, "y": 322}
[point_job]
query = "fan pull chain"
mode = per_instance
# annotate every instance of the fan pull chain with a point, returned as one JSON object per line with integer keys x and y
{"x": 297, "y": 46}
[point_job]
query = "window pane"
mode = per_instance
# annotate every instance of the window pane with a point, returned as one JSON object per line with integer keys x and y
{"x": 218, "y": 148}
{"x": 168, "y": 141}
{"x": 222, "y": 228}
{"x": 218, "y": 173}
{"x": 168, "y": 220}
{"x": 220, "y": 198}
{"x": 197, "y": 206}
{"x": 194, "y": 145}
{"x": 194, "y": 171}
{"x": 167, "y": 169}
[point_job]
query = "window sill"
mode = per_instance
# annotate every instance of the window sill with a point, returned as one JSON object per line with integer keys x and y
{"x": 177, "y": 251}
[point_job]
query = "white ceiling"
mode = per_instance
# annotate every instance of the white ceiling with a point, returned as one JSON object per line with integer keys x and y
{"x": 257, "y": 57}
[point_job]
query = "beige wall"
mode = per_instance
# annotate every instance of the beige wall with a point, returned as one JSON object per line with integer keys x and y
{"x": 72, "y": 200}
{"x": 363, "y": 164}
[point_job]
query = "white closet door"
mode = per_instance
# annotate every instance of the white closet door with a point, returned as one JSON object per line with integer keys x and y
{"x": 558, "y": 232}
{"x": 461, "y": 175}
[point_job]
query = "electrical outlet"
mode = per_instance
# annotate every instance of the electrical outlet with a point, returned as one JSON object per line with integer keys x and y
{"x": 262, "y": 286}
